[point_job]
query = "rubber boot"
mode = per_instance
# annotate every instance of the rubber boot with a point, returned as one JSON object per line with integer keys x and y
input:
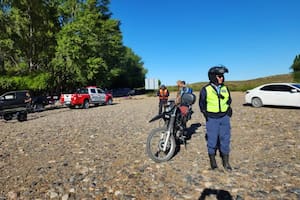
{"x": 213, "y": 163}
{"x": 225, "y": 159}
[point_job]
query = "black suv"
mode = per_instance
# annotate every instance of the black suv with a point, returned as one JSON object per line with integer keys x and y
{"x": 122, "y": 92}
{"x": 13, "y": 104}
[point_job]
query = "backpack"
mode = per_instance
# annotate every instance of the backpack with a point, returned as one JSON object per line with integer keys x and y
{"x": 188, "y": 90}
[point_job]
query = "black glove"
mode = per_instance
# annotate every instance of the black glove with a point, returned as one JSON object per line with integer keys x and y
{"x": 229, "y": 112}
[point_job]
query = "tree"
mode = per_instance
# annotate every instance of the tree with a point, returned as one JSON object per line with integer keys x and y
{"x": 61, "y": 44}
{"x": 89, "y": 45}
{"x": 131, "y": 73}
{"x": 27, "y": 41}
{"x": 296, "y": 68}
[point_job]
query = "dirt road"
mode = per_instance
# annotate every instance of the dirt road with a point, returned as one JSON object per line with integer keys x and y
{"x": 99, "y": 153}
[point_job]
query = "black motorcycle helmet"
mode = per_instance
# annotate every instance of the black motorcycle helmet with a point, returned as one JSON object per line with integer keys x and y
{"x": 163, "y": 87}
{"x": 214, "y": 71}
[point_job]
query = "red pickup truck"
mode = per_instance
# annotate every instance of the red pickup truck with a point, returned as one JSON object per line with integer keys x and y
{"x": 83, "y": 97}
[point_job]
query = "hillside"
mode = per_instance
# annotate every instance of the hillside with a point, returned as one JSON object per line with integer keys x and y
{"x": 249, "y": 84}
{"x": 246, "y": 84}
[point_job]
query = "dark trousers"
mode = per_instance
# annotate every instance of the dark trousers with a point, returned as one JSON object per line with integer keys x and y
{"x": 162, "y": 103}
{"x": 218, "y": 130}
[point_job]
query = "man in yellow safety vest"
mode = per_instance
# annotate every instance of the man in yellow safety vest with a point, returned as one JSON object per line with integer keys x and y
{"x": 214, "y": 103}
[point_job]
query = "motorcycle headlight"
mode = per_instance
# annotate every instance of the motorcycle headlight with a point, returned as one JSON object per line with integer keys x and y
{"x": 168, "y": 108}
{"x": 169, "y": 105}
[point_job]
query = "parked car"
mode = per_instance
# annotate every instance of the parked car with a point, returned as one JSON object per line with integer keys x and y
{"x": 53, "y": 99}
{"x": 122, "y": 92}
{"x": 83, "y": 97}
{"x": 12, "y": 104}
{"x": 274, "y": 94}
{"x": 39, "y": 103}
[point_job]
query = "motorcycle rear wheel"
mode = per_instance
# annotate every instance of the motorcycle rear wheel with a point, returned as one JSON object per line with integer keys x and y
{"x": 155, "y": 144}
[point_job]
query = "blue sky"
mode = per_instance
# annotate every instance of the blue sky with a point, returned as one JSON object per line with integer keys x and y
{"x": 181, "y": 40}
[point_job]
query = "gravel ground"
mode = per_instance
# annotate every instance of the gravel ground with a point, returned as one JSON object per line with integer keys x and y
{"x": 99, "y": 153}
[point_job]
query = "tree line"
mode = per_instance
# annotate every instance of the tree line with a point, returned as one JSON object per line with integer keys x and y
{"x": 54, "y": 45}
{"x": 296, "y": 68}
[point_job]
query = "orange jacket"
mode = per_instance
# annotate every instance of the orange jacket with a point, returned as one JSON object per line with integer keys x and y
{"x": 163, "y": 94}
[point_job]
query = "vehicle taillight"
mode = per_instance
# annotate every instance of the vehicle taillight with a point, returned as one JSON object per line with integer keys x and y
{"x": 74, "y": 97}
{"x": 62, "y": 98}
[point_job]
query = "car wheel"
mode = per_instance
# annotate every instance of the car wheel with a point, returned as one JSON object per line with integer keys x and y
{"x": 109, "y": 102}
{"x": 22, "y": 116}
{"x": 8, "y": 117}
{"x": 86, "y": 104}
{"x": 256, "y": 102}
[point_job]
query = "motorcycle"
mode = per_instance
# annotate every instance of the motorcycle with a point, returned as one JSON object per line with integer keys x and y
{"x": 162, "y": 142}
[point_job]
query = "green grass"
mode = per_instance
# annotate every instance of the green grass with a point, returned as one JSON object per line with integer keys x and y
{"x": 244, "y": 85}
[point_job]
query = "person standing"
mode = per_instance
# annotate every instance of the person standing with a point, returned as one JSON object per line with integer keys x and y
{"x": 214, "y": 103}
{"x": 28, "y": 100}
{"x": 182, "y": 88}
{"x": 163, "y": 95}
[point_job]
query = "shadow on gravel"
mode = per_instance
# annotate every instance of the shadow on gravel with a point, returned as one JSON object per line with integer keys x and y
{"x": 218, "y": 194}
{"x": 192, "y": 130}
{"x": 189, "y": 132}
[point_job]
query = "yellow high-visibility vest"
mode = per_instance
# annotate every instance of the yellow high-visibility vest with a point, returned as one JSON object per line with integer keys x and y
{"x": 214, "y": 103}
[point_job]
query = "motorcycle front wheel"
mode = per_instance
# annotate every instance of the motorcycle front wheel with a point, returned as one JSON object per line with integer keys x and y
{"x": 155, "y": 145}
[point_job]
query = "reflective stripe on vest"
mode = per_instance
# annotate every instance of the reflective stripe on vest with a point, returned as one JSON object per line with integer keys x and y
{"x": 214, "y": 103}
{"x": 163, "y": 94}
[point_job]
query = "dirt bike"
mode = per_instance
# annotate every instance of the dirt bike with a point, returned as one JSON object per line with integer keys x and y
{"x": 162, "y": 142}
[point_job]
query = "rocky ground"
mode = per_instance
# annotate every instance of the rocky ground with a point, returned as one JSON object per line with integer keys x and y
{"x": 99, "y": 153}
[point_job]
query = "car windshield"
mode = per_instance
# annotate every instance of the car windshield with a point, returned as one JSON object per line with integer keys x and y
{"x": 82, "y": 91}
{"x": 296, "y": 85}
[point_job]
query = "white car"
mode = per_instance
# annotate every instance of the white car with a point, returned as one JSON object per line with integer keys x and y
{"x": 274, "y": 94}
